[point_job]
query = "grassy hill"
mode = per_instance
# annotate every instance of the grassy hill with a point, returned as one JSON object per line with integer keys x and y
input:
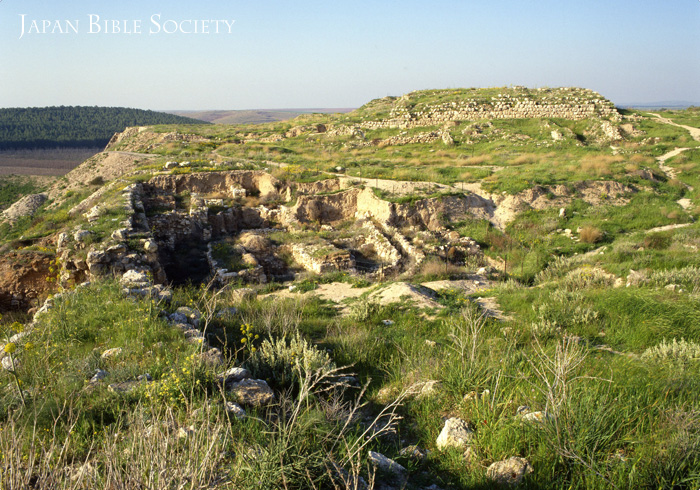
{"x": 372, "y": 279}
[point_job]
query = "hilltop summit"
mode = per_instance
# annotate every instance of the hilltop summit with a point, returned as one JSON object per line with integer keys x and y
{"x": 430, "y": 107}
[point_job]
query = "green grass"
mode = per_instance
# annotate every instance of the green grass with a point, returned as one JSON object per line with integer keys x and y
{"x": 572, "y": 347}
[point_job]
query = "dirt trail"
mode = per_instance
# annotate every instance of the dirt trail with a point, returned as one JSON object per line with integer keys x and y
{"x": 670, "y": 172}
{"x": 694, "y": 132}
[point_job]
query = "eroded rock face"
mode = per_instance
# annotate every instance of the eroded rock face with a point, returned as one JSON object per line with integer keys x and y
{"x": 23, "y": 279}
{"x": 26, "y": 206}
{"x": 219, "y": 182}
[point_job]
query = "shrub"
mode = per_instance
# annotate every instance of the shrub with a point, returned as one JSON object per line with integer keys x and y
{"x": 364, "y": 310}
{"x": 687, "y": 276}
{"x": 591, "y": 234}
{"x": 681, "y": 352}
{"x": 657, "y": 241}
{"x": 587, "y": 277}
{"x": 284, "y": 362}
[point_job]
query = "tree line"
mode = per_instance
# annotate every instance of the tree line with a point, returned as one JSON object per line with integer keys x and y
{"x": 74, "y": 127}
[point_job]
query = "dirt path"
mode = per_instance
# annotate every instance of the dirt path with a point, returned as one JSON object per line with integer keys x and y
{"x": 694, "y": 132}
{"x": 671, "y": 172}
{"x": 668, "y": 228}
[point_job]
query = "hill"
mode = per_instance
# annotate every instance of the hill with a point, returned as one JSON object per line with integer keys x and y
{"x": 73, "y": 127}
{"x": 471, "y": 288}
{"x": 251, "y": 116}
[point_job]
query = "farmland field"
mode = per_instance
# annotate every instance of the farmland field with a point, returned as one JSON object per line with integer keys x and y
{"x": 43, "y": 162}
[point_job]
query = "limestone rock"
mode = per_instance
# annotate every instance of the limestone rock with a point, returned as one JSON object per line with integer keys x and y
{"x": 235, "y": 409}
{"x": 414, "y": 452}
{"x": 244, "y": 294}
{"x": 80, "y": 236}
{"x": 94, "y": 213}
{"x": 233, "y": 375}
{"x": 99, "y": 376}
{"x": 26, "y": 206}
{"x": 253, "y": 392}
{"x": 178, "y": 318}
{"x": 537, "y": 417}
{"x": 62, "y": 241}
{"x": 429, "y": 388}
{"x": 386, "y": 465}
{"x": 150, "y": 246}
{"x": 111, "y": 353}
{"x": 8, "y": 365}
{"x": 135, "y": 279}
{"x": 455, "y": 433}
{"x": 509, "y": 472}
{"x": 212, "y": 357}
{"x": 191, "y": 314}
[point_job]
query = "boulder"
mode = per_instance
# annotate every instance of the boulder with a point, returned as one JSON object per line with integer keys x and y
{"x": 509, "y": 472}
{"x": 233, "y": 375}
{"x": 135, "y": 279}
{"x": 192, "y": 315}
{"x": 235, "y": 409}
{"x": 455, "y": 433}
{"x": 99, "y": 376}
{"x": 150, "y": 246}
{"x": 252, "y": 392}
{"x": 386, "y": 465}
{"x": 111, "y": 353}
{"x": 80, "y": 236}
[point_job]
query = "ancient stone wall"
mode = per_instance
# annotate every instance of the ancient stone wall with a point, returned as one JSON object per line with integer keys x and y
{"x": 576, "y": 106}
{"x": 306, "y": 256}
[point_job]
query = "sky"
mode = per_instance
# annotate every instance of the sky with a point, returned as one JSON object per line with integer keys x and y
{"x": 337, "y": 53}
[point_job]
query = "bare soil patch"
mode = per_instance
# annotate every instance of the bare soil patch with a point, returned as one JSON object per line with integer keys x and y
{"x": 54, "y": 162}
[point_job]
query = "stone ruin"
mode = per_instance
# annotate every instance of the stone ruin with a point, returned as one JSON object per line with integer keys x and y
{"x": 202, "y": 226}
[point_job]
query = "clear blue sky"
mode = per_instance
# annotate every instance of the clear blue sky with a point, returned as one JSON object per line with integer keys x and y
{"x": 338, "y": 53}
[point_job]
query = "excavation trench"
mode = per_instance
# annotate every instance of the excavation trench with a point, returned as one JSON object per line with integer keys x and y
{"x": 245, "y": 226}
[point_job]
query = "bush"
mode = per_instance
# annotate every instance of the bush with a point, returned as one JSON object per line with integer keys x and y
{"x": 675, "y": 352}
{"x": 658, "y": 241}
{"x": 591, "y": 234}
{"x": 588, "y": 277}
{"x": 285, "y": 362}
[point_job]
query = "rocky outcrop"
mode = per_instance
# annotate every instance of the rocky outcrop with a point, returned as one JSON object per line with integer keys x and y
{"x": 26, "y": 206}
{"x": 23, "y": 279}
{"x": 224, "y": 183}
